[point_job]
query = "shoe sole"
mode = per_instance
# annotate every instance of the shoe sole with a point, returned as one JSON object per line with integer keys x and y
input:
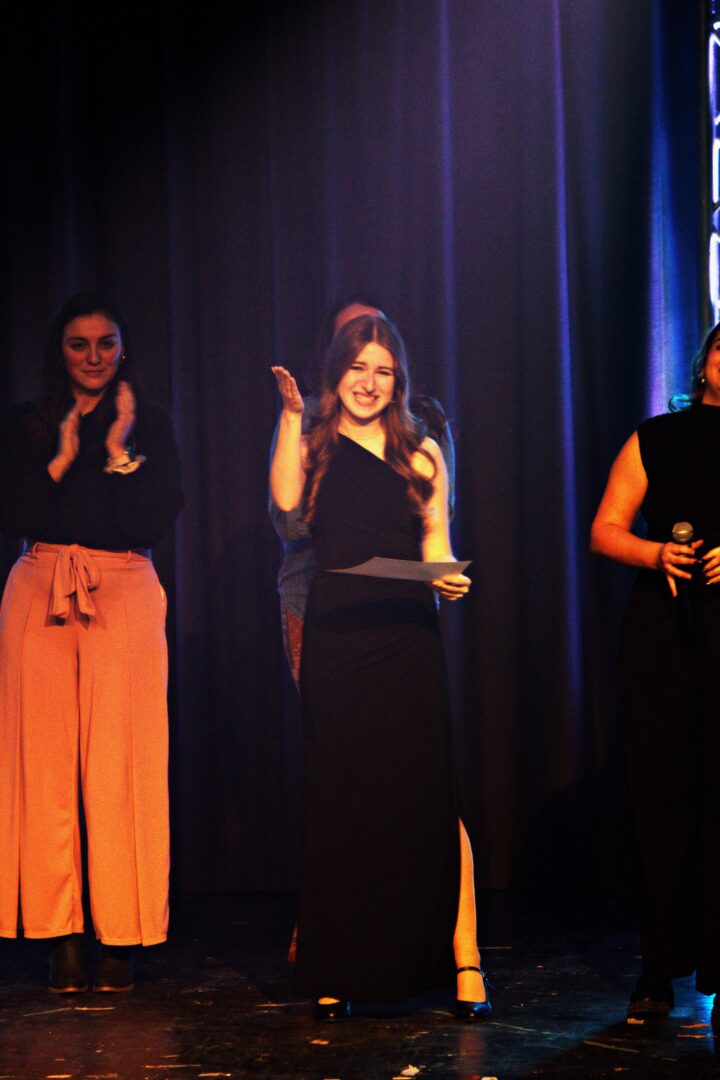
{"x": 658, "y": 1013}
{"x": 473, "y": 1018}
{"x": 68, "y": 989}
{"x": 104, "y": 989}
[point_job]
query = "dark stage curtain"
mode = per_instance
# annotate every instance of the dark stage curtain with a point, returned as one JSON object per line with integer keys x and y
{"x": 521, "y": 185}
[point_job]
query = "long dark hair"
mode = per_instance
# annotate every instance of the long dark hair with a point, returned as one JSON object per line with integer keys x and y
{"x": 401, "y": 428}
{"x": 697, "y": 378}
{"x": 55, "y": 398}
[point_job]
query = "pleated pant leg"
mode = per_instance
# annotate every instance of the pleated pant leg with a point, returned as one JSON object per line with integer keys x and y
{"x": 39, "y": 827}
{"x": 85, "y": 698}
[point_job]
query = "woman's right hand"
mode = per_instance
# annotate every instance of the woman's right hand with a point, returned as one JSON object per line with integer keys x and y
{"x": 673, "y": 557}
{"x": 292, "y": 398}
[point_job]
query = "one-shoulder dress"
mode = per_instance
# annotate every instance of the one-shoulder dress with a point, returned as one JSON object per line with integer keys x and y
{"x": 380, "y": 871}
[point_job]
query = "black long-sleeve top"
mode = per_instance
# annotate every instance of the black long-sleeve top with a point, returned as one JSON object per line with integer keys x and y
{"x": 110, "y": 511}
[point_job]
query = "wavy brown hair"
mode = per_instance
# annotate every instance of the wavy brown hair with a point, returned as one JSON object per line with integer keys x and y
{"x": 402, "y": 438}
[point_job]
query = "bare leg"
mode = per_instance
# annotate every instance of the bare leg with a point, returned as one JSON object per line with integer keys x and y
{"x": 470, "y": 985}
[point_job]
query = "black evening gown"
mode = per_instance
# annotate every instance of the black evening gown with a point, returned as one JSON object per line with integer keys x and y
{"x": 380, "y": 876}
{"x": 670, "y": 697}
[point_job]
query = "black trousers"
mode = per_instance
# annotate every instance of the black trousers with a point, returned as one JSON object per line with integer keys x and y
{"x": 670, "y": 700}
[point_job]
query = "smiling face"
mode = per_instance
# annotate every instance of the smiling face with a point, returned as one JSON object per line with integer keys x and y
{"x": 366, "y": 389}
{"x": 92, "y": 348}
{"x": 711, "y": 371}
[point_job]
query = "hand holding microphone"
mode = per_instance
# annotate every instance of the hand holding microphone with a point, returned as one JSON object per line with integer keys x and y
{"x": 677, "y": 554}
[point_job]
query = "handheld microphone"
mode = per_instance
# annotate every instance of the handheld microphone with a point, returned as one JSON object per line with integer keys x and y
{"x": 682, "y": 532}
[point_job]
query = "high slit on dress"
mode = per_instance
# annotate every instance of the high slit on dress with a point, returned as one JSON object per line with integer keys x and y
{"x": 381, "y": 860}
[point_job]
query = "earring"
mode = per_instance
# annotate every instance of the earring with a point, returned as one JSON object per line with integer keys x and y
{"x": 702, "y": 379}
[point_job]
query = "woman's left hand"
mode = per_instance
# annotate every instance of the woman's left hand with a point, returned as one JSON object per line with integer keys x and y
{"x": 121, "y": 428}
{"x": 711, "y": 566}
{"x": 451, "y": 586}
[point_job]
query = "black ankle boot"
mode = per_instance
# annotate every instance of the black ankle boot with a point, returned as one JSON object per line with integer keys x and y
{"x": 116, "y": 970}
{"x": 67, "y": 965}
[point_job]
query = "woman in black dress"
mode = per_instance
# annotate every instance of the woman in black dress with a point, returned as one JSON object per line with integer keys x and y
{"x": 668, "y": 471}
{"x": 386, "y": 895}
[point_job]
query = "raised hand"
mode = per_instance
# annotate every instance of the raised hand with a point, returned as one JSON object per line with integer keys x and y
{"x": 121, "y": 428}
{"x": 292, "y": 398}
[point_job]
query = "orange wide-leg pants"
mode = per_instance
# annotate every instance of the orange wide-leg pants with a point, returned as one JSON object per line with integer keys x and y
{"x": 83, "y": 681}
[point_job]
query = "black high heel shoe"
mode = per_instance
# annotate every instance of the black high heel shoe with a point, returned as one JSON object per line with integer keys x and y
{"x": 474, "y": 1011}
{"x": 332, "y": 1010}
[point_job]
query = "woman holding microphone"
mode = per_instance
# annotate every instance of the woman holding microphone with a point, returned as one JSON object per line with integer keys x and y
{"x": 670, "y": 700}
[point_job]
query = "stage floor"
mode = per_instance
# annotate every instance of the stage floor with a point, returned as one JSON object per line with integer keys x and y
{"x": 216, "y": 1001}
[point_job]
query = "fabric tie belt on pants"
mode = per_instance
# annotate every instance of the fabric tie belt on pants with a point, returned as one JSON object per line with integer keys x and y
{"x": 76, "y": 574}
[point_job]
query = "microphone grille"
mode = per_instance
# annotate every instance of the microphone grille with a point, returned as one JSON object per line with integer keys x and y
{"x": 682, "y": 532}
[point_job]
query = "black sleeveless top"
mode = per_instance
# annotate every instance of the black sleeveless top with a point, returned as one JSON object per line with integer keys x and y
{"x": 681, "y": 456}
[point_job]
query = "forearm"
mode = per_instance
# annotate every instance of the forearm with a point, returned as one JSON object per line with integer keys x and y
{"x": 436, "y": 546}
{"x": 58, "y": 467}
{"x": 287, "y": 475}
{"x": 619, "y": 544}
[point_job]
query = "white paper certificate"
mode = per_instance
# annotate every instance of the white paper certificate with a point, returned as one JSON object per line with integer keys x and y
{"x": 405, "y": 569}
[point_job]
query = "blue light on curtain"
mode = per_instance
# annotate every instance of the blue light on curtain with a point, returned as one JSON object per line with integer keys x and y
{"x": 676, "y": 304}
{"x": 671, "y": 311}
{"x": 566, "y": 374}
{"x": 713, "y": 66}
